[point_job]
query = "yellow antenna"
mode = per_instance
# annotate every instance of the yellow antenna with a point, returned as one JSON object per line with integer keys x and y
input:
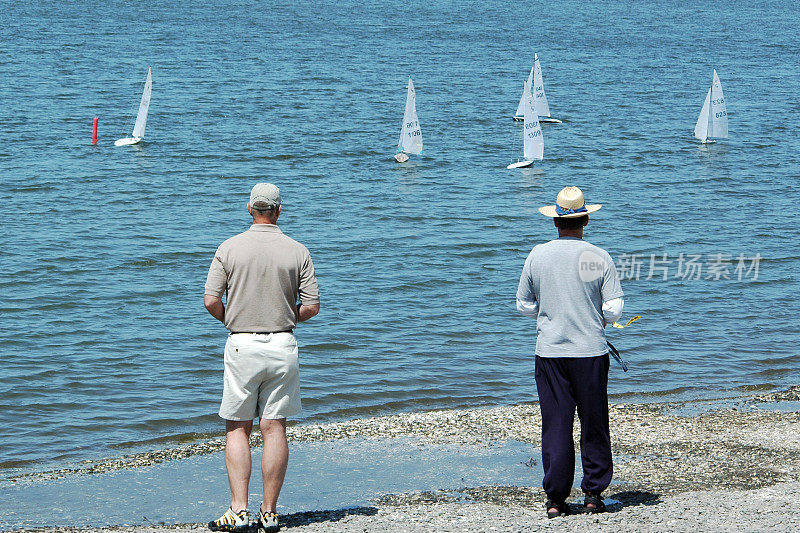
{"x": 631, "y": 321}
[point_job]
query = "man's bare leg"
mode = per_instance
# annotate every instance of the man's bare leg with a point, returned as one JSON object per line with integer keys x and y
{"x": 273, "y": 461}
{"x": 237, "y": 460}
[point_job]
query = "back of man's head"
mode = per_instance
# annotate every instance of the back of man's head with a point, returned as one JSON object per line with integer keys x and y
{"x": 265, "y": 200}
{"x": 571, "y": 223}
{"x": 265, "y": 196}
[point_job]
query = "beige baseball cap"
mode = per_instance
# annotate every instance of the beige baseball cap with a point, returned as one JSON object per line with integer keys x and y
{"x": 265, "y": 196}
{"x": 569, "y": 204}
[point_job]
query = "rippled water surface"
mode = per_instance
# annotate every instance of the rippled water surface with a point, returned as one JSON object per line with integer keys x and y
{"x": 106, "y": 344}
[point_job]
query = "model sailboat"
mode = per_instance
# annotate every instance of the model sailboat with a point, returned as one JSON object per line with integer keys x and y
{"x": 542, "y": 107}
{"x": 141, "y": 117}
{"x": 713, "y": 120}
{"x": 532, "y": 140}
{"x": 410, "y": 132}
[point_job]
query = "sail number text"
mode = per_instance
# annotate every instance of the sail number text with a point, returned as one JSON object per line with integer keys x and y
{"x": 412, "y": 129}
{"x": 535, "y": 132}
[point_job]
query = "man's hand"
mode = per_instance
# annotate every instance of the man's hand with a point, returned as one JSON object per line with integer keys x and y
{"x": 215, "y": 306}
{"x": 304, "y": 312}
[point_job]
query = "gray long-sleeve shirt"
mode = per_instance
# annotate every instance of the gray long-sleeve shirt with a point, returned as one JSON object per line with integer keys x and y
{"x": 569, "y": 279}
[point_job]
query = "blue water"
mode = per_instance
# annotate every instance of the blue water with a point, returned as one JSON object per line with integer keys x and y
{"x": 106, "y": 345}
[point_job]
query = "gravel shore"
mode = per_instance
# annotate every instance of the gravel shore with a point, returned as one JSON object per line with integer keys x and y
{"x": 766, "y": 509}
{"x": 733, "y": 468}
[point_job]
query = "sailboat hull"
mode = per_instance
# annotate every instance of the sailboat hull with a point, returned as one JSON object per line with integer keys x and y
{"x": 127, "y": 141}
{"x": 401, "y": 157}
{"x": 520, "y": 164}
{"x": 542, "y": 120}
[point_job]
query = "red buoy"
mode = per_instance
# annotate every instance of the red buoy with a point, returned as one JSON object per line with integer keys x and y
{"x": 94, "y": 131}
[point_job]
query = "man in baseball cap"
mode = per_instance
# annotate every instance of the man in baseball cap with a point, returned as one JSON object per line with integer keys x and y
{"x": 262, "y": 273}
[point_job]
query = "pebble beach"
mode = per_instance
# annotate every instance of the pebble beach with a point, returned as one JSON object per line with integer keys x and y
{"x": 680, "y": 466}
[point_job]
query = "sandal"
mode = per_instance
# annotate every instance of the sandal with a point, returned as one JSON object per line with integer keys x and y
{"x": 596, "y": 502}
{"x": 231, "y": 521}
{"x": 561, "y": 509}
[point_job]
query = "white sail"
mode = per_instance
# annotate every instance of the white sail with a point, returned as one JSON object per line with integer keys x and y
{"x": 702, "y": 126}
{"x": 410, "y": 133}
{"x": 144, "y": 105}
{"x": 533, "y": 143}
{"x": 542, "y": 109}
{"x": 718, "y": 125}
{"x": 521, "y": 106}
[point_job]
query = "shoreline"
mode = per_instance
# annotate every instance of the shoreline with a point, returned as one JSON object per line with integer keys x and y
{"x": 768, "y": 509}
{"x": 519, "y": 422}
{"x": 666, "y": 463}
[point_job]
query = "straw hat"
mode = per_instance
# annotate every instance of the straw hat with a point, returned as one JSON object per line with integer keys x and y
{"x": 569, "y": 204}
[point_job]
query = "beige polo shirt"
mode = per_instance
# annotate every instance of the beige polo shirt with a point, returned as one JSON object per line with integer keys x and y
{"x": 262, "y": 272}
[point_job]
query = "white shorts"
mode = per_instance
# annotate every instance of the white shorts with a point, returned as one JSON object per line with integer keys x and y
{"x": 262, "y": 377}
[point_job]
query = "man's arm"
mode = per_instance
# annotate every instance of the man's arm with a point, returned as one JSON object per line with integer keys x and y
{"x": 530, "y": 309}
{"x": 215, "y": 306}
{"x": 216, "y": 284}
{"x": 611, "y": 293}
{"x": 526, "y": 300}
{"x": 612, "y": 310}
{"x": 304, "y": 312}
{"x": 308, "y": 290}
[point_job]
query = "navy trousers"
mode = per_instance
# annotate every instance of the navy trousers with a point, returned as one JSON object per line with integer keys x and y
{"x": 565, "y": 383}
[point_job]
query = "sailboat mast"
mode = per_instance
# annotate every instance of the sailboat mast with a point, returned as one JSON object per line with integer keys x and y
{"x": 710, "y": 126}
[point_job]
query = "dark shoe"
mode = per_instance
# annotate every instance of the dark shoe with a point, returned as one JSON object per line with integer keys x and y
{"x": 594, "y": 503}
{"x": 561, "y": 509}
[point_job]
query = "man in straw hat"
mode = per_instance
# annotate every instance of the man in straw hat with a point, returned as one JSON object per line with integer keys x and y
{"x": 262, "y": 273}
{"x": 572, "y": 290}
